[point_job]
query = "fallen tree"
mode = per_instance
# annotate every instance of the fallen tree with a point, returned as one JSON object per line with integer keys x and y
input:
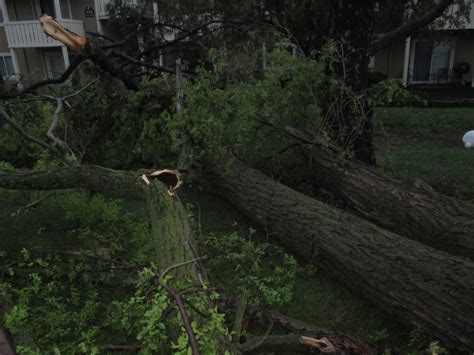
{"x": 419, "y": 212}
{"x": 175, "y": 247}
{"x": 414, "y": 282}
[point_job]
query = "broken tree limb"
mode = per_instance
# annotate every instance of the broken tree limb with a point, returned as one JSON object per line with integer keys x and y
{"x": 86, "y": 48}
{"x": 343, "y": 343}
{"x": 111, "y": 183}
{"x": 70, "y": 39}
{"x": 170, "y": 178}
{"x": 421, "y": 214}
{"x": 410, "y": 280}
{"x": 409, "y": 28}
{"x": 292, "y": 342}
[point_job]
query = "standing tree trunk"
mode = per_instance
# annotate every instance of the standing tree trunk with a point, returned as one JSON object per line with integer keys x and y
{"x": 414, "y": 282}
{"x": 419, "y": 213}
{"x": 353, "y": 27}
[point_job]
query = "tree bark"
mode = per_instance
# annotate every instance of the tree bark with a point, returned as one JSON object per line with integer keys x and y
{"x": 416, "y": 212}
{"x": 111, "y": 183}
{"x": 414, "y": 282}
{"x": 172, "y": 234}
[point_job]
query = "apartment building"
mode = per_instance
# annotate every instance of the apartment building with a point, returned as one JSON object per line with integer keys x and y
{"x": 433, "y": 59}
{"x": 26, "y": 53}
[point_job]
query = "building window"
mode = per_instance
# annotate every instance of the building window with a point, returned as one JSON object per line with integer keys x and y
{"x": 372, "y": 62}
{"x": 54, "y": 64}
{"x": 65, "y": 9}
{"x": 48, "y": 7}
{"x": 6, "y": 66}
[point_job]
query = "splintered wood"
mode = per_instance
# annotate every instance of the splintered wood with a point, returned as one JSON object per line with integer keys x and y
{"x": 70, "y": 39}
{"x": 171, "y": 179}
{"x": 323, "y": 344}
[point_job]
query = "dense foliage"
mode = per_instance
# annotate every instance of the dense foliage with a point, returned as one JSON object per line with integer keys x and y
{"x": 105, "y": 289}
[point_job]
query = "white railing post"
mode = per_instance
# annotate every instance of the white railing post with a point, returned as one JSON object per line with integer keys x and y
{"x": 65, "y": 57}
{"x": 406, "y": 62}
{"x": 57, "y": 10}
{"x": 5, "y": 11}
{"x": 98, "y": 14}
{"x": 16, "y": 66}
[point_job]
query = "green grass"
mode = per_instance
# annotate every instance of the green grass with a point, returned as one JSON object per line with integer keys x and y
{"x": 426, "y": 143}
{"x": 425, "y": 122}
{"x": 446, "y": 169}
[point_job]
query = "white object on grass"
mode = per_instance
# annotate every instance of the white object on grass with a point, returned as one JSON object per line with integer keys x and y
{"x": 468, "y": 139}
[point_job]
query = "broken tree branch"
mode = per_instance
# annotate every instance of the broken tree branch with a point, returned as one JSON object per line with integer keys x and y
{"x": 70, "y": 39}
{"x": 290, "y": 342}
{"x": 23, "y": 132}
{"x": 65, "y": 76}
{"x": 184, "y": 263}
{"x": 408, "y": 29}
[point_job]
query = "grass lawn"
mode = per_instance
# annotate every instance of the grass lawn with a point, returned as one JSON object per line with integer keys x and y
{"x": 427, "y": 143}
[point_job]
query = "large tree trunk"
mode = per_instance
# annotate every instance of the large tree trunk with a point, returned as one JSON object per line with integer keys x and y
{"x": 352, "y": 27}
{"x": 414, "y": 282}
{"x": 417, "y": 212}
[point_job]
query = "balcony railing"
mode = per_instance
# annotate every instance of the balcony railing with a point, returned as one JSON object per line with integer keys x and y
{"x": 29, "y": 34}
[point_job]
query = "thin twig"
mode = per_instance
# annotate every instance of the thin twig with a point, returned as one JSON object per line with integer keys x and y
{"x": 187, "y": 322}
{"x": 184, "y": 263}
{"x": 22, "y": 132}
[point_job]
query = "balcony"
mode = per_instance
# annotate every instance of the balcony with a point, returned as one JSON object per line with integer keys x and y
{"x": 29, "y": 34}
